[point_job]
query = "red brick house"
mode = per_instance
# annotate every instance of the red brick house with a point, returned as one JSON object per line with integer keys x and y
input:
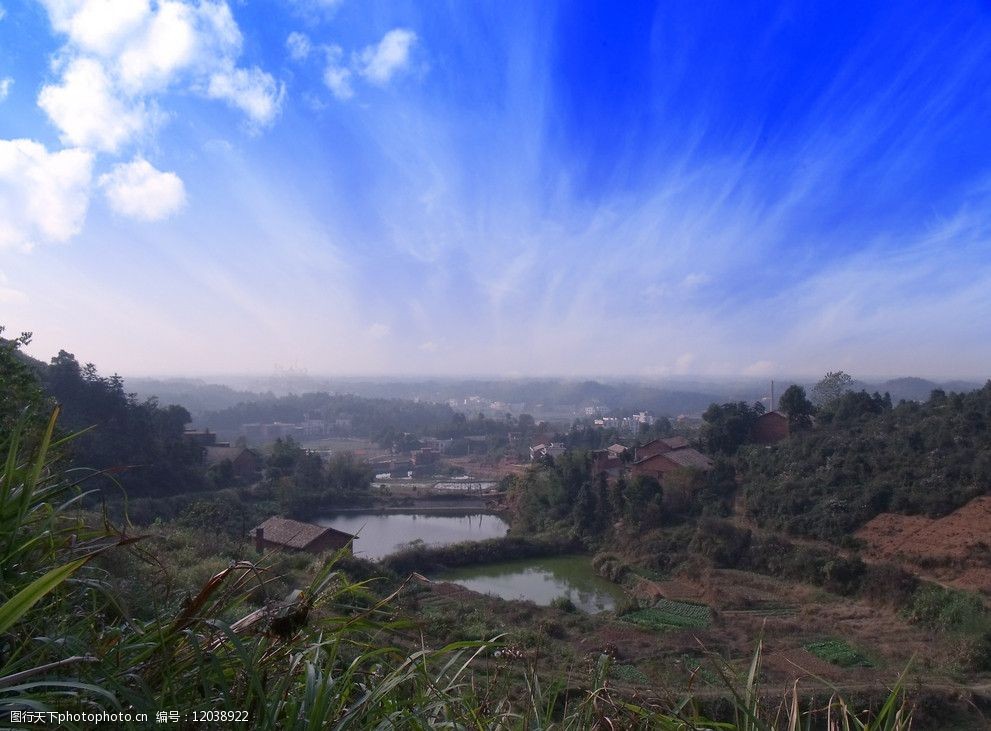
{"x": 660, "y": 446}
{"x": 658, "y": 465}
{"x": 604, "y": 460}
{"x": 293, "y": 535}
{"x": 770, "y": 428}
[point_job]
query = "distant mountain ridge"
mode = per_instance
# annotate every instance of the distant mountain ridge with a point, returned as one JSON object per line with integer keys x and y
{"x": 681, "y": 397}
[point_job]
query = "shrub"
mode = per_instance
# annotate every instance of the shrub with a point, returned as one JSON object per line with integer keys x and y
{"x": 565, "y": 604}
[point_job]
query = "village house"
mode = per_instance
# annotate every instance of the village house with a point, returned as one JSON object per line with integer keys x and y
{"x": 552, "y": 449}
{"x": 770, "y": 428}
{"x": 659, "y": 465}
{"x": 201, "y": 438}
{"x": 243, "y": 461}
{"x": 660, "y": 446}
{"x": 292, "y": 535}
{"x": 616, "y": 450}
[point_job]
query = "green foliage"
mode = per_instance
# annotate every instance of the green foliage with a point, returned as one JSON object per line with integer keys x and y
{"x": 420, "y": 557}
{"x": 941, "y": 609}
{"x": 564, "y": 604}
{"x": 833, "y": 385}
{"x": 139, "y": 442}
{"x": 864, "y": 458}
{"x": 797, "y": 406}
{"x": 839, "y": 652}
{"x": 306, "y": 482}
{"x": 628, "y": 674}
{"x": 20, "y": 389}
{"x": 728, "y": 426}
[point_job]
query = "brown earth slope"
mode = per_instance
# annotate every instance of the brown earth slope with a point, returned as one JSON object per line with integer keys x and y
{"x": 956, "y": 549}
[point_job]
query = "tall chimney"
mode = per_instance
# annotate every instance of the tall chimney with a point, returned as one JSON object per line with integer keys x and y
{"x": 260, "y": 539}
{"x": 772, "y": 394}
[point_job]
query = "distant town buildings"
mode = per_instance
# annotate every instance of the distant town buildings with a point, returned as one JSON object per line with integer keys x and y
{"x": 632, "y": 424}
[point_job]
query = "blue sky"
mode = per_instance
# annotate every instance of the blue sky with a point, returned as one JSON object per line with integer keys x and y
{"x": 498, "y": 188}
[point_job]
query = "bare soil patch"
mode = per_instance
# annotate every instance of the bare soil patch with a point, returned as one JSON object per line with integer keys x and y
{"x": 955, "y": 549}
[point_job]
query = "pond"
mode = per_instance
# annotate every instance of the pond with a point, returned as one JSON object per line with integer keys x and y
{"x": 541, "y": 580}
{"x": 380, "y": 534}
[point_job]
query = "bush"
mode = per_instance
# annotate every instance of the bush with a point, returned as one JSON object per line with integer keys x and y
{"x": 947, "y": 609}
{"x": 565, "y": 604}
{"x": 420, "y": 557}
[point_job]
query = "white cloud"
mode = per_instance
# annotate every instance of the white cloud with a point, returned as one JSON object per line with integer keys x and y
{"x": 178, "y": 39}
{"x": 379, "y": 63}
{"x": 3, "y": 12}
{"x": 299, "y": 45}
{"x": 97, "y": 26}
{"x": 118, "y": 57}
{"x": 336, "y": 76}
{"x": 5, "y": 85}
{"x": 120, "y": 54}
{"x": 252, "y": 91}
{"x": 43, "y": 195}
{"x": 136, "y": 189}
{"x": 87, "y": 110}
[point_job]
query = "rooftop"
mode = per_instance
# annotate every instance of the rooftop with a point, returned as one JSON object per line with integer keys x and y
{"x": 294, "y": 533}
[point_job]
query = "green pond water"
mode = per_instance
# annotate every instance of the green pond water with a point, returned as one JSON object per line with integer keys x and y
{"x": 540, "y": 580}
{"x": 380, "y": 534}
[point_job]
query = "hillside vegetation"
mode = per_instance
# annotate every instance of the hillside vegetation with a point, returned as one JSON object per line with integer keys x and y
{"x": 864, "y": 457}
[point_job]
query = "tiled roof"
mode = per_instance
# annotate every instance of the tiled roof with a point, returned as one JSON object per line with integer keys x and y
{"x": 675, "y": 442}
{"x": 215, "y": 455}
{"x": 689, "y": 457}
{"x": 293, "y": 533}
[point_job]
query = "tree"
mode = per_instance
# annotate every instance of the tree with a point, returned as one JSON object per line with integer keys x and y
{"x": 833, "y": 385}
{"x": 19, "y": 387}
{"x": 728, "y": 426}
{"x": 797, "y": 406}
{"x": 643, "y": 501}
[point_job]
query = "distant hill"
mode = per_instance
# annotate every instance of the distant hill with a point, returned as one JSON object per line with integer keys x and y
{"x": 196, "y": 395}
{"x": 915, "y": 389}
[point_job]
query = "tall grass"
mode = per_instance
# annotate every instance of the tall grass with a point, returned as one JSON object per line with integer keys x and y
{"x": 331, "y": 656}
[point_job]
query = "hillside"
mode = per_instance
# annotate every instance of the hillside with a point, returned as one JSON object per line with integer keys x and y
{"x": 865, "y": 457}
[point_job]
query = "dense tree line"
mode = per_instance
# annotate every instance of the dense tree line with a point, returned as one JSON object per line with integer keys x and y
{"x": 564, "y": 493}
{"x": 864, "y": 456}
{"x": 139, "y": 443}
{"x": 302, "y": 481}
{"x": 367, "y": 416}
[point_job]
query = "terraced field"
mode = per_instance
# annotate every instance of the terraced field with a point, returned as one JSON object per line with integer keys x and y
{"x": 668, "y": 614}
{"x": 839, "y": 652}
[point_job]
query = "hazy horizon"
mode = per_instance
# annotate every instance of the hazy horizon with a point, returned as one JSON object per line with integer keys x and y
{"x": 415, "y": 190}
